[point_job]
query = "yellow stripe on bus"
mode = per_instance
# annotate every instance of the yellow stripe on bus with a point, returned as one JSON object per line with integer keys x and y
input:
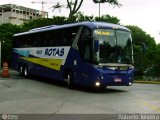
{"x": 50, "y": 63}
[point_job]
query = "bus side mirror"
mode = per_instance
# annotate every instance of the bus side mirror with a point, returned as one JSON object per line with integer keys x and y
{"x": 143, "y": 47}
{"x": 96, "y": 45}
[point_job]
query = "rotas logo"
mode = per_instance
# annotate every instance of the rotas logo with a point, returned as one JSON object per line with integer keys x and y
{"x": 54, "y": 51}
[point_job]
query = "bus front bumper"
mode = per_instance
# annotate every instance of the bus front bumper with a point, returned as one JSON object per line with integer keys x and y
{"x": 113, "y": 80}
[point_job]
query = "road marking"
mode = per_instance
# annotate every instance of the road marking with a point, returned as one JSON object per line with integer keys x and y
{"x": 150, "y": 106}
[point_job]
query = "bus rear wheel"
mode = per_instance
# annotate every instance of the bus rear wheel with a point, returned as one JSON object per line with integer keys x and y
{"x": 69, "y": 77}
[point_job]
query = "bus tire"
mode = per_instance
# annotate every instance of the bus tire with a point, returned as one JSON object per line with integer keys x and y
{"x": 25, "y": 71}
{"x": 69, "y": 77}
{"x": 20, "y": 70}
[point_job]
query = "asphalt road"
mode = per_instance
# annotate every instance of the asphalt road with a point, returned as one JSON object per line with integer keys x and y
{"x": 19, "y": 95}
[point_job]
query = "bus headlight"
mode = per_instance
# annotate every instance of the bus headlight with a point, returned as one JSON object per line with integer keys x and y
{"x": 97, "y": 84}
{"x": 130, "y": 84}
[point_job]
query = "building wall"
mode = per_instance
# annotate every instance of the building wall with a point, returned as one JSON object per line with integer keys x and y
{"x": 18, "y": 14}
{"x": 4, "y": 18}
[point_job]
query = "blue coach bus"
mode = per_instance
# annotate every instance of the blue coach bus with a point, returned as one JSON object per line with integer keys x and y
{"x": 95, "y": 54}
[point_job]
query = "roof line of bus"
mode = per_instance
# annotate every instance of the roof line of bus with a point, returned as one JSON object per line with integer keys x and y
{"x": 85, "y": 23}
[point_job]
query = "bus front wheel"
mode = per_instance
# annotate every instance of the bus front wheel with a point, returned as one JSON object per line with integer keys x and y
{"x": 69, "y": 77}
{"x": 25, "y": 71}
{"x": 20, "y": 70}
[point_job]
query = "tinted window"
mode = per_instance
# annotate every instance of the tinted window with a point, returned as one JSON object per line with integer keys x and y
{"x": 59, "y": 37}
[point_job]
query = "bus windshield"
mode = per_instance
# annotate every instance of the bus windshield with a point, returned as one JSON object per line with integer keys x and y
{"x": 115, "y": 46}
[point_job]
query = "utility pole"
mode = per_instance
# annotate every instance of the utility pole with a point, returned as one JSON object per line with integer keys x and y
{"x": 99, "y": 9}
{"x": 99, "y": 2}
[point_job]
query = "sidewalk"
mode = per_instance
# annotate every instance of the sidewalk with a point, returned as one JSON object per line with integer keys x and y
{"x": 147, "y": 82}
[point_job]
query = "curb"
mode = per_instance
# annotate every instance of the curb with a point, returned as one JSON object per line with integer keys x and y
{"x": 148, "y": 82}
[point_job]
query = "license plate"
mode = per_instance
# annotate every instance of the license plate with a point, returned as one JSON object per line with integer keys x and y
{"x": 117, "y": 80}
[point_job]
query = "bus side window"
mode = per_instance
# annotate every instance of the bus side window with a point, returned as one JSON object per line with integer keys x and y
{"x": 52, "y": 42}
{"x": 35, "y": 40}
{"x": 84, "y": 44}
{"x": 26, "y": 41}
{"x": 69, "y": 35}
{"x": 57, "y": 37}
{"x": 67, "y": 38}
{"x": 47, "y": 40}
{"x": 17, "y": 41}
{"x": 42, "y": 40}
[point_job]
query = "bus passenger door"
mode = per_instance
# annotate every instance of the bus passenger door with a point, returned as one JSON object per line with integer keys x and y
{"x": 85, "y": 50}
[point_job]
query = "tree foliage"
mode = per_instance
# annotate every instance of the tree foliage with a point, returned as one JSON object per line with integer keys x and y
{"x": 145, "y": 63}
{"x": 74, "y": 6}
{"x": 36, "y": 23}
{"x": 57, "y": 20}
{"x": 112, "y": 2}
{"x": 6, "y": 34}
{"x": 108, "y": 18}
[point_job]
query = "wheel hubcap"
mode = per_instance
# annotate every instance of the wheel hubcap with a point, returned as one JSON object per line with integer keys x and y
{"x": 20, "y": 70}
{"x": 25, "y": 71}
{"x": 68, "y": 79}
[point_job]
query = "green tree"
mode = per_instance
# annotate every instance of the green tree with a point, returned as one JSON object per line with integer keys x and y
{"x": 59, "y": 20}
{"x": 74, "y": 6}
{"x": 112, "y": 2}
{"x": 6, "y": 34}
{"x": 37, "y": 23}
{"x": 144, "y": 62}
{"x": 81, "y": 17}
{"x": 108, "y": 18}
{"x": 156, "y": 58}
